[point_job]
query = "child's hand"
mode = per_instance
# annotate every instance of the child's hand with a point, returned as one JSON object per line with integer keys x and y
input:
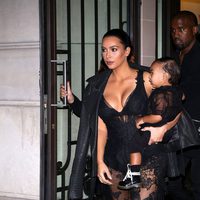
{"x": 139, "y": 121}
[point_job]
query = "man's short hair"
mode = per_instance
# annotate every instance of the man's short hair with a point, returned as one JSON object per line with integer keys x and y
{"x": 187, "y": 14}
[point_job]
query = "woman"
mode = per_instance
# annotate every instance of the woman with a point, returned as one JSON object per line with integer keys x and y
{"x": 111, "y": 100}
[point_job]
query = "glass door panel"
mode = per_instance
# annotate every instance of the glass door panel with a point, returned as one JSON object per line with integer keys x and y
{"x": 80, "y": 25}
{"x": 76, "y": 28}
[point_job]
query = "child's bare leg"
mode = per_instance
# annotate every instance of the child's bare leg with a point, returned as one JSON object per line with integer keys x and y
{"x": 135, "y": 158}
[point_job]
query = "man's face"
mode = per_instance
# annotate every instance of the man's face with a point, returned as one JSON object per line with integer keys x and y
{"x": 183, "y": 32}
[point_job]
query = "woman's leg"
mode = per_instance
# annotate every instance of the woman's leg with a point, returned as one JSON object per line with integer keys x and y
{"x": 153, "y": 173}
{"x": 112, "y": 192}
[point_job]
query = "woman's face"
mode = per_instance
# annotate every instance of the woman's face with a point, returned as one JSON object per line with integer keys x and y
{"x": 113, "y": 52}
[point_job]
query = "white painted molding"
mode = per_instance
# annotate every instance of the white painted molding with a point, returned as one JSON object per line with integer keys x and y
{"x": 20, "y": 45}
{"x": 20, "y": 103}
{"x": 14, "y": 196}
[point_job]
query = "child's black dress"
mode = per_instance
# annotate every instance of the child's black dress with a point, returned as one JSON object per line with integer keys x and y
{"x": 167, "y": 102}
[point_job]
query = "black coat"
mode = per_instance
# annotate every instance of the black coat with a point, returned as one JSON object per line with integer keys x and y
{"x": 87, "y": 135}
{"x": 187, "y": 131}
{"x": 186, "y": 136}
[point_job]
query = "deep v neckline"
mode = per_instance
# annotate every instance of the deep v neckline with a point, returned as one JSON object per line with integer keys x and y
{"x": 125, "y": 104}
{"x": 127, "y": 99}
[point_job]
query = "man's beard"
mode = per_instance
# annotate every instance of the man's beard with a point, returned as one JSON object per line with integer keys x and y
{"x": 180, "y": 46}
{"x": 183, "y": 45}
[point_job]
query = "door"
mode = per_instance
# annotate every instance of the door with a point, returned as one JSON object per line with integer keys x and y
{"x": 71, "y": 32}
{"x": 165, "y": 11}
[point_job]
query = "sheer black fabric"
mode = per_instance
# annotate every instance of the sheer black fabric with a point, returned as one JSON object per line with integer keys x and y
{"x": 121, "y": 125}
{"x": 121, "y": 130}
{"x": 167, "y": 102}
{"x": 112, "y": 192}
{"x": 153, "y": 172}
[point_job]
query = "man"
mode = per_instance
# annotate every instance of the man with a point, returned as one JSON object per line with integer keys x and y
{"x": 184, "y": 28}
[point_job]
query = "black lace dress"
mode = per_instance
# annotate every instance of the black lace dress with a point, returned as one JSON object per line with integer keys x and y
{"x": 167, "y": 102}
{"x": 121, "y": 128}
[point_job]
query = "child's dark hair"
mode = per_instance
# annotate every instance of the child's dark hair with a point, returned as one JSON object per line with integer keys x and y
{"x": 171, "y": 67}
{"x": 125, "y": 40}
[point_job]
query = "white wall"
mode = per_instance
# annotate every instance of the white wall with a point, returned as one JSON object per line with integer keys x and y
{"x": 19, "y": 99}
{"x": 148, "y": 30}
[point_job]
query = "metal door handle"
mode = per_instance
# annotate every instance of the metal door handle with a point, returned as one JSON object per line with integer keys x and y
{"x": 64, "y": 63}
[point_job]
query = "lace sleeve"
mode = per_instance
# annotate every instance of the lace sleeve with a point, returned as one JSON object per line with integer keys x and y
{"x": 160, "y": 102}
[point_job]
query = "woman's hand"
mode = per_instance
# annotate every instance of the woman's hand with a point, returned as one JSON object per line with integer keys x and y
{"x": 67, "y": 93}
{"x": 104, "y": 174}
{"x": 157, "y": 133}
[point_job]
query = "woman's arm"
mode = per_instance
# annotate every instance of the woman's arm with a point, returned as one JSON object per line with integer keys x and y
{"x": 76, "y": 106}
{"x": 157, "y": 133}
{"x": 74, "y": 102}
{"x": 103, "y": 171}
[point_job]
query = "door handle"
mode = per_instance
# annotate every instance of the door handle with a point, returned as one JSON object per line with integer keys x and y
{"x": 64, "y": 63}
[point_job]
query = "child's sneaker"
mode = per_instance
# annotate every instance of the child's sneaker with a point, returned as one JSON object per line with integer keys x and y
{"x": 131, "y": 180}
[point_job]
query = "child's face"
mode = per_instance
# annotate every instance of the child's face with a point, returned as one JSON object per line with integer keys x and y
{"x": 158, "y": 77}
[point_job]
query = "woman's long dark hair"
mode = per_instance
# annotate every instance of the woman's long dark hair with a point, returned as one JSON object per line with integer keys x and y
{"x": 125, "y": 40}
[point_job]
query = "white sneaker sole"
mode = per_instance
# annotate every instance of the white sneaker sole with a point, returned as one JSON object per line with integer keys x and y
{"x": 136, "y": 185}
